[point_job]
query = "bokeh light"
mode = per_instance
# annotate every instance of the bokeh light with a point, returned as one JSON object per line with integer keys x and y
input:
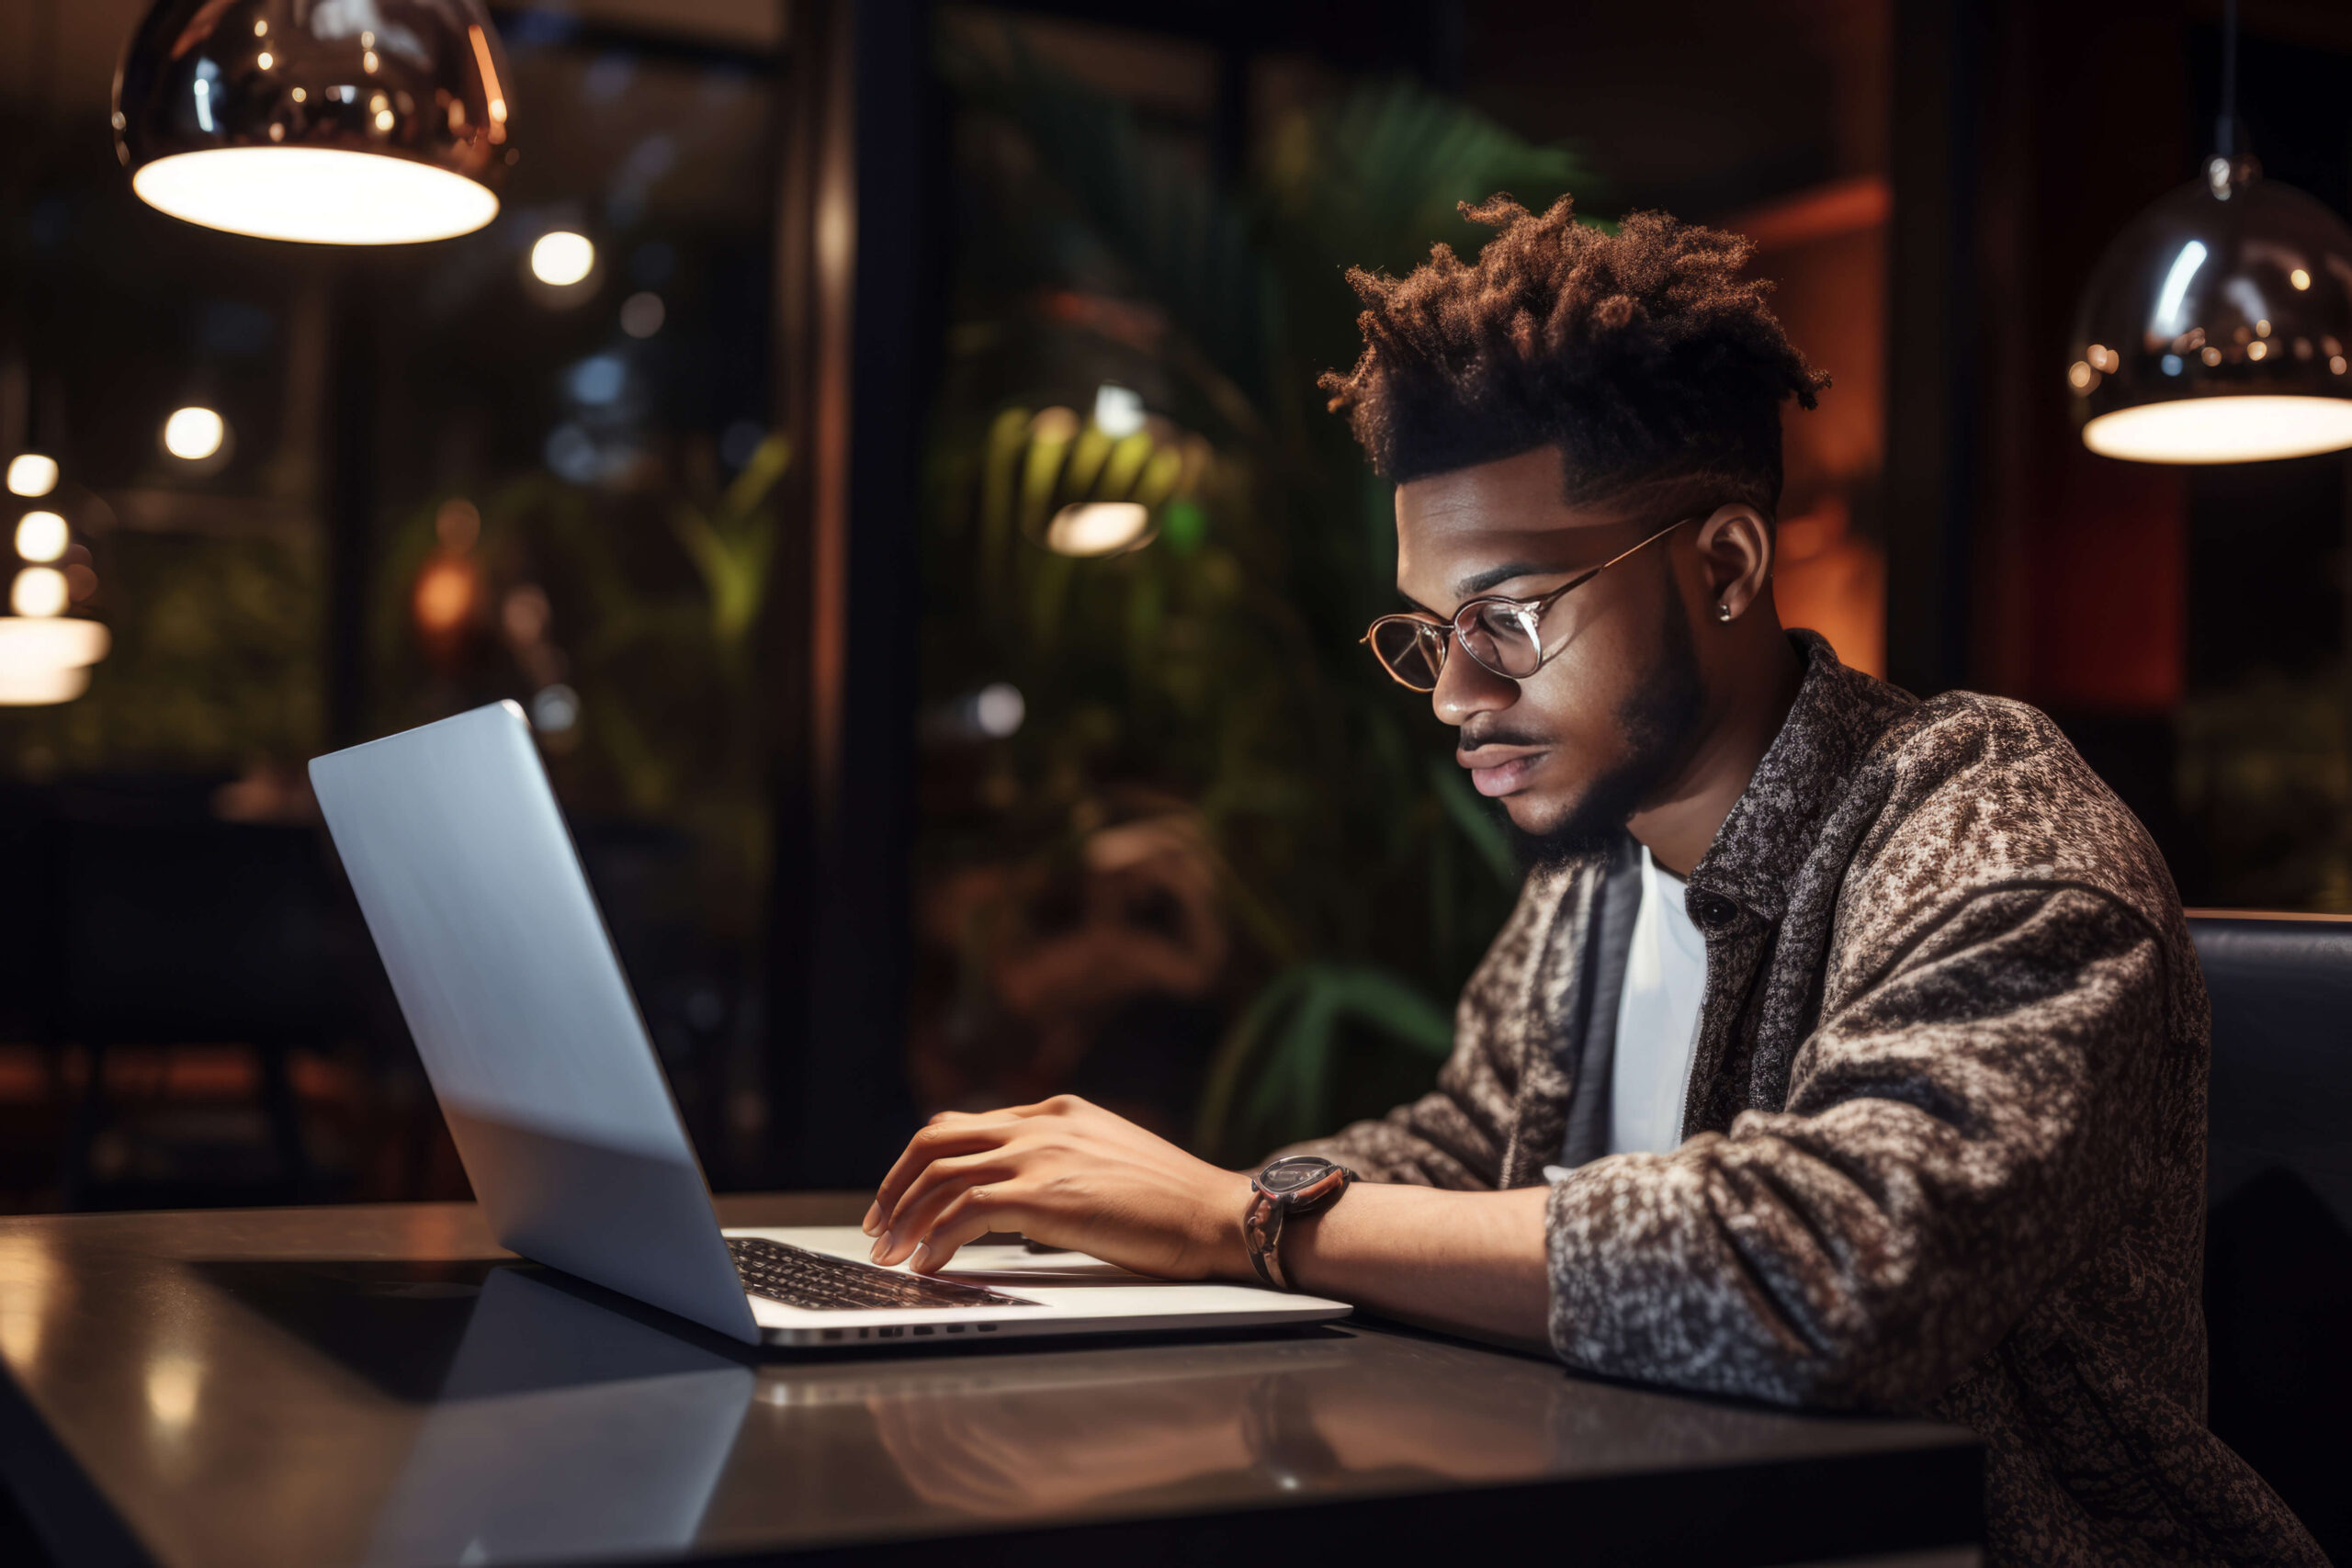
{"x": 1118, "y": 411}
{"x": 42, "y": 536}
{"x": 39, "y": 591}
{"x": 31, "y": 475}
{"x": 642, "y": 314}
{"x": 555, "y": 709}
{"x": 194, "y": 434}
{"x": 563, "y": 258}
{"x": 999, "y": 708}
{"x": 1097, "y": 527}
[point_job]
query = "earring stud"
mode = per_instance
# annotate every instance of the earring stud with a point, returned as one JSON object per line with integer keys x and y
{"x": 1722, "y": 613}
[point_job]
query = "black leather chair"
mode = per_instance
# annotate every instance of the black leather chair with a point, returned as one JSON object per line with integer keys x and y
{"x": 2279, "y": 1227}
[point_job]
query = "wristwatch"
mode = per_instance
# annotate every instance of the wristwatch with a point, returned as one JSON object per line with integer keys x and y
{"x": 1296, "y": 1184}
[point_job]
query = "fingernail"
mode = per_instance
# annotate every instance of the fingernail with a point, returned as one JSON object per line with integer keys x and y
{"x": 883, "y": 1246}
{"x": 873, "y": 1218}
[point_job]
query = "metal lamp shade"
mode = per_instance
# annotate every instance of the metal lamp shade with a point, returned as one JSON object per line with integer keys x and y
{"x": 377, "y": 123}
{"x": 2216, "y": 329}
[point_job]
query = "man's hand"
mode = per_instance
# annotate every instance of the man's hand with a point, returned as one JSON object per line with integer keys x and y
{"x": 1067, "y": 1174}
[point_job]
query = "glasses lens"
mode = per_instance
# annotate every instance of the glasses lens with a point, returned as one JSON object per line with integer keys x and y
{"x": 1502, "y": 638}
{"x": 1412, "y": 650}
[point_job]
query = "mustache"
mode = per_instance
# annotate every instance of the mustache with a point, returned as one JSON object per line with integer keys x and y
{"x": 1473, "y": 737}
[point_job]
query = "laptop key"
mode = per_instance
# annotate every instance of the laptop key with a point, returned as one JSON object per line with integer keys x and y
{"x": 797, "y": 1277}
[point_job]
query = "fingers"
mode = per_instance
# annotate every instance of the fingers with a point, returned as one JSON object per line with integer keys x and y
{"x": 973, "y": 1214}
{"x": 956, "y": 1133}
{"x": 965, "y": 1134}
{"x": 929, "y": 1193}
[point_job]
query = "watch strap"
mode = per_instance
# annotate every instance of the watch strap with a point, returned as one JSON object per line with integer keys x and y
{"x": 1263, "y": 1222}
{"x": 1261, "y": 1235}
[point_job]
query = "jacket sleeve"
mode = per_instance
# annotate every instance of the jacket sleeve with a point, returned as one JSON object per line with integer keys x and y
{"x": 1455, "y": 1135}
{"x": 1955, "y": 1132}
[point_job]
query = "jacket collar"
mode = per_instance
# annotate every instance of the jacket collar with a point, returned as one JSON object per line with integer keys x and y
{"x": 1774, "y": 825}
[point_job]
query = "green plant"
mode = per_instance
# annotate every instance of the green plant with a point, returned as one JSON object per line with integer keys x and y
{"x": 653, "y": 627}
{"x": 1218, "y": 668}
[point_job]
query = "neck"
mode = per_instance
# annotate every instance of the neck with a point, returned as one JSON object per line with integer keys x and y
{"x": 1761, "y": 686}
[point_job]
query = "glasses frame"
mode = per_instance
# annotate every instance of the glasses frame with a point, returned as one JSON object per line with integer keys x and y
{"x": 1529, "y": 611}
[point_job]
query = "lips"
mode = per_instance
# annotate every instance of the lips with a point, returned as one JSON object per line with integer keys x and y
{"x": 1494, "y": 774}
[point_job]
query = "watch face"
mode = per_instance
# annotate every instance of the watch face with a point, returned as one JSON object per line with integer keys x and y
{"x": 1290, "y": 1175}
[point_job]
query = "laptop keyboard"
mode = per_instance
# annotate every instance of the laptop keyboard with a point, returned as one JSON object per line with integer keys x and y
{"x": 797, "y": 1277}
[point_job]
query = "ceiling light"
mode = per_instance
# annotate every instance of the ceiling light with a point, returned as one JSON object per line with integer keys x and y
{"x": 192, "y": 434}
{"x": 31, "y": 475}
{"x": 39, "y": 591}
{"x": 42, "y": 536}
{"x": 563, "y": 258}
{"x": 227, "y": 121}
{"x": 2245, "y": 428}
{"x": 28, "y": 647}
{"x": 1097, "y": 528}
{"x": 2188, "y": 304}
{"x": 1118, "y": 411}
{"x": 42, "y": 687}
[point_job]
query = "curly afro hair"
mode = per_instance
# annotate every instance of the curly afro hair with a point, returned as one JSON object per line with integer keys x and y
{"x": 1644, "y": 356}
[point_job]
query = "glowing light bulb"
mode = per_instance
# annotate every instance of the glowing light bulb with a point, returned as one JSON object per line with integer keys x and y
{"x": 1096, "y": 528}
{"x": 39, "y": 591}
{"x": 2223, "y": 430}
{"x": 563, "y": 258}
{"x": 1118, "y": 411}
{"x": 32, "y": 474}
{"x": 192, "y": 434}
{"x": 41, "y": 536}
{"x": 323, "y": 195}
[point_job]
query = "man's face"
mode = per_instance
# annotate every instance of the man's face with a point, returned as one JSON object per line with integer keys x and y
{"x": 1576, "y": 748}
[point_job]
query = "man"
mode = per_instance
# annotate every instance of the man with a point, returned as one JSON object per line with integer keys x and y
{"x": 1843, "y": 1050}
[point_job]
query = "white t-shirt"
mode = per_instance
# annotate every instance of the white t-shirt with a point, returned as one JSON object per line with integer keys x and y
{"x": 1657, "y": 1019}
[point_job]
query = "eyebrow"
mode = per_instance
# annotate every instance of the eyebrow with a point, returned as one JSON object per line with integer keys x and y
{"x": 1478, "y": 582}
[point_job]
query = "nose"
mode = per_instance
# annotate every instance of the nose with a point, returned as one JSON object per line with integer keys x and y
{"x": 1465, "y": 687}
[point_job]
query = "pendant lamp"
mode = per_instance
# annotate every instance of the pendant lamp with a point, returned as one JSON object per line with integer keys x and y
{"x": 353, "y": 122}
{"x": 2218, "y": 328}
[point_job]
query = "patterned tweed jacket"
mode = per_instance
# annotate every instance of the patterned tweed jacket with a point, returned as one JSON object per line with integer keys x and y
{"x": 1945, "y": 1136}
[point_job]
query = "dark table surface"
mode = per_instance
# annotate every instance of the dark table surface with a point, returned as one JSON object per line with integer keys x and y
{"x": 385, "y": 1386}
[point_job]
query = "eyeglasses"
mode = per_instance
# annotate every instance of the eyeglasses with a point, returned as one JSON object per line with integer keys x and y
{"x": 1503, "y": 635}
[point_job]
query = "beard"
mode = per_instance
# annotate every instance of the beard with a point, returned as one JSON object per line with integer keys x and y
{"x": 1658, "y": 720}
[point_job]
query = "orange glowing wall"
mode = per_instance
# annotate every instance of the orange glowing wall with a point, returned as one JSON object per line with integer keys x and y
{"x": 1824, "y": 249}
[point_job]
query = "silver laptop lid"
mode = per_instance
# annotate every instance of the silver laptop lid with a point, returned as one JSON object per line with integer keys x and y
{"x": 510, "y": 985}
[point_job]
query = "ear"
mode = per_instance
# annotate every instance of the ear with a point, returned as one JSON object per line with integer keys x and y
{"x": 1735, "y": 551}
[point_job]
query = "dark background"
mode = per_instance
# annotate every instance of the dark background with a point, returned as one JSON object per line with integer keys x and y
{"x": 1211, "y": 878}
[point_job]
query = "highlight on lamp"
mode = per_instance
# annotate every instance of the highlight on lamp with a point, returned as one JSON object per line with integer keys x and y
{"x": 31, "y": 475}
{"x": 561, "y": 258}
{"x": 294, "y": 123}
{"x": 195, "y": 434}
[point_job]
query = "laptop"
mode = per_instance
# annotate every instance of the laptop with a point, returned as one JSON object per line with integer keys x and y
{"x": 524, "y": 1021}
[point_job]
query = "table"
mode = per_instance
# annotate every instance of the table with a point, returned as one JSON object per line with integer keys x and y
{"x": 383, "y": 1386}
